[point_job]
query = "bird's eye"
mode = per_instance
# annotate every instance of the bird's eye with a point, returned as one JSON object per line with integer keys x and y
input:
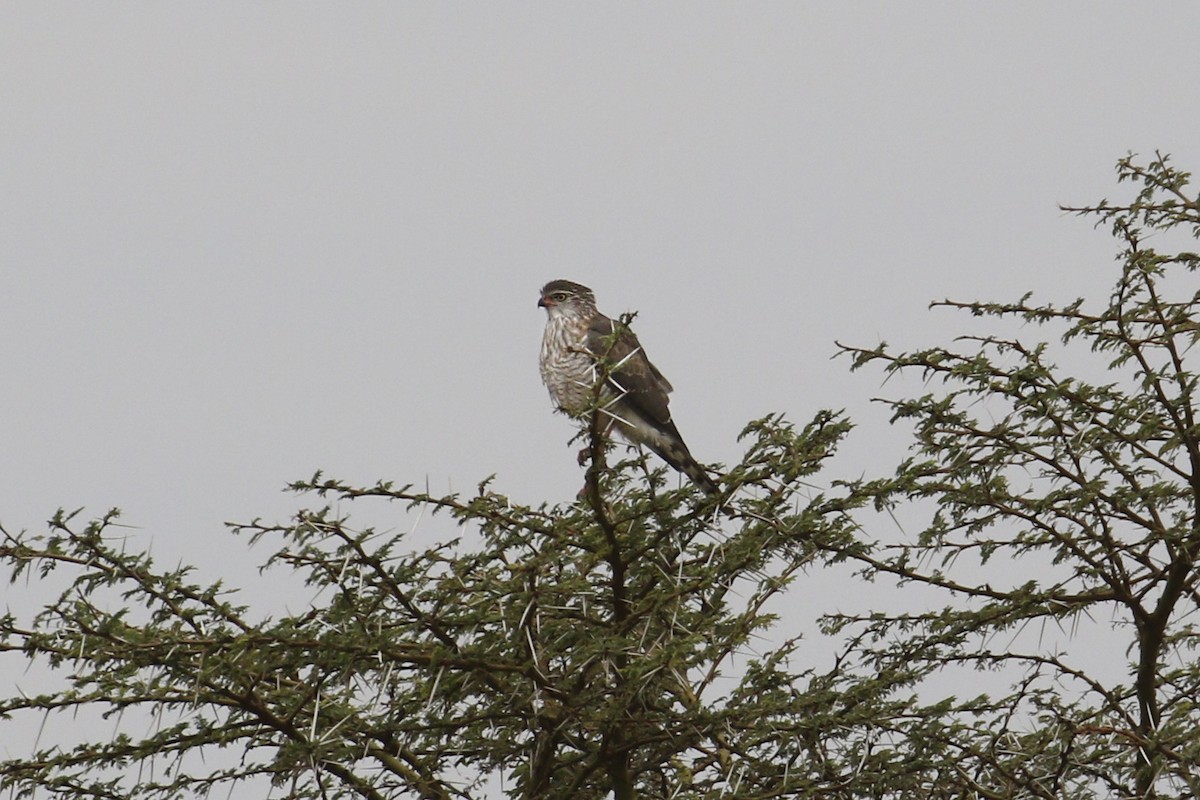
{"x": 558, "y": 297}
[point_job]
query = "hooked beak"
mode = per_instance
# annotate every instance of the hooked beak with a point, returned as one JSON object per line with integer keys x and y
{"x": 543, "y": 303}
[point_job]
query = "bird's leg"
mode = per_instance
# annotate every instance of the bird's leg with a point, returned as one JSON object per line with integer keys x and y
{"x": 585, "y": 453}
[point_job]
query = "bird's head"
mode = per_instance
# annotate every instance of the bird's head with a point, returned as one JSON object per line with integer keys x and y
{"x": 567, "y": 299}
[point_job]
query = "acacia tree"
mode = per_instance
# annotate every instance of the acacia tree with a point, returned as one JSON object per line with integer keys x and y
{"x": 1060, "y": 502}
{"x": 574, "y": 651}
{"x": 623, "y": 645}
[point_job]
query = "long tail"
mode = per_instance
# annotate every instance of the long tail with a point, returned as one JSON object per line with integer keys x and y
{"x": 675, "y": 453}
{"x": 664, "y": 439}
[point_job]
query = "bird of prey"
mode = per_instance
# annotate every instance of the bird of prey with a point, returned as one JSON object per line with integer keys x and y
{"x": 634, "y": 397}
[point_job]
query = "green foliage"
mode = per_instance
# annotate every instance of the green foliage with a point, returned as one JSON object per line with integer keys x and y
{"x": 627, "y": 644}
{"x": 577, "y": 651}
{"x": 1075, "y": 502}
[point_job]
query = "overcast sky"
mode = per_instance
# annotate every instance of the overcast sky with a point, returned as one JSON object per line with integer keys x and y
{"x": 241, "y": 242}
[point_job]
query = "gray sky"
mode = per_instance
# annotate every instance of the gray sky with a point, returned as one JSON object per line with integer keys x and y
{"x": 241, "y": 242}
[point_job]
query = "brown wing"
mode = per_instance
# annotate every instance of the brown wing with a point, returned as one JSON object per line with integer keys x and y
{"x": 632, "y": 373}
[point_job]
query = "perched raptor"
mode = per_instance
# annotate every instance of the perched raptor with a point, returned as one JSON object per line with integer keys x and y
{"x": 634, "y": 397}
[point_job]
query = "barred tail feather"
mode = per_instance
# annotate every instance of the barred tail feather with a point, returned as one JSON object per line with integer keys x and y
{"x": 676, "y": 454}
{"x": 664, "y": 439}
